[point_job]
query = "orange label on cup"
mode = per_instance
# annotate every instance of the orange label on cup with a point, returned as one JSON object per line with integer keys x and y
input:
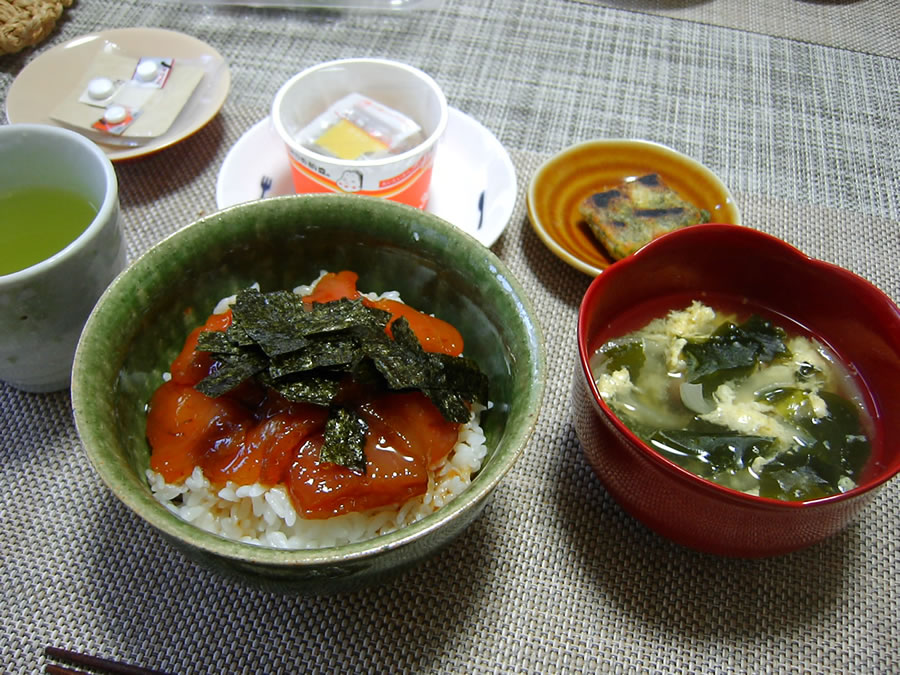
{"x": 410, "y": 186}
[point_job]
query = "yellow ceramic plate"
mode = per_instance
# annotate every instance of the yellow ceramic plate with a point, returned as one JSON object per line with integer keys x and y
{"x": 43, "y": 82}
{"x": 567, "y": 179}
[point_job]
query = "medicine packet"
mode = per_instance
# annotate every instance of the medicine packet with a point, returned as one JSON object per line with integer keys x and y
{"x": 357, "y": 127}
{"x": 127, "y": 99}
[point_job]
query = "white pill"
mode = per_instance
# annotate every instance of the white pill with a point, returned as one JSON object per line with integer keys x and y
{"x": 147, "y": 71}
{"x": 100, "y": 88}
{"x": 115, "y": 114}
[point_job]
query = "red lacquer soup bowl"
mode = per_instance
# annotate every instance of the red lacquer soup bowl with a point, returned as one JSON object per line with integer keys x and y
{"x": 738, "y": 265}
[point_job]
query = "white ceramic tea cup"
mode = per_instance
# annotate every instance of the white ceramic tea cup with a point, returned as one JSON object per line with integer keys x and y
{"x": 44, "y": 307}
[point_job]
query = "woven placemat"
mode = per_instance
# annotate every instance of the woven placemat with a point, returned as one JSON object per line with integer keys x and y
{"x": 25, "y": 23}
{"x": 868, "y": 26}
{"x": 554, "y": 577}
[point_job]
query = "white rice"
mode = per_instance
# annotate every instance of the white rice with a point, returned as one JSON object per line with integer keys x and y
{"x": 265, "y": 516}
{"x": 262, "y": 515}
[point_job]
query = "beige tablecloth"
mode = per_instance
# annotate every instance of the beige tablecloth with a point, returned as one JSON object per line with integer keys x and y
{"x": 554, "y": 577}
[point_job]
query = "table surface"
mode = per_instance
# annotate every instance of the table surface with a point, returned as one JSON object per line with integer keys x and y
{"x": 795, "y": 104}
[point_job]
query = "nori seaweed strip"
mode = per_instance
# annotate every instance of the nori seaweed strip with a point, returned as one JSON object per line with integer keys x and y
{"x": 270, "y": 319}
{"x": 321, "y": 388}
{"x": 237, "y": 335}
{"x": 405, "y": 337}
{"x": 401, "y": 361}
{"x": 307, "y": 353}
{"x": 345, "y": 438}
{"x": 366, "y": 376}
{"x": 452, "y": 406}
{"x": 218, "y": 342}
{"x": 230, "y": 371}
{"x": 430, "y": 377}
{"x": 454, "y": 382}
{"x": 450, "y": 382}
{"x": 341, "y": 314}
{"x": 463, "y": 376}
{"x": 280, "y": 322}
{"x": 321, "y": 351}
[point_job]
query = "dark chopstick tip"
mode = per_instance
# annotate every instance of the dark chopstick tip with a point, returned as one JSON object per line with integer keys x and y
{"x": 53, "y": 669}
{"x": 100, "y": 666}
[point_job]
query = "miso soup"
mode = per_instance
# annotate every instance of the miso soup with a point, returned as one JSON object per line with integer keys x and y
{"x": 739, "y": 402}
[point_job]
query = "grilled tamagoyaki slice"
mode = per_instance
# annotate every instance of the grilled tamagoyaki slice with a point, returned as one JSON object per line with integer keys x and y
{"x": 635, "y": 212}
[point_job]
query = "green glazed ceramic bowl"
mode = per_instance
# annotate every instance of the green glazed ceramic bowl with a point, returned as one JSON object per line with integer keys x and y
{"x": 140, "y": 323}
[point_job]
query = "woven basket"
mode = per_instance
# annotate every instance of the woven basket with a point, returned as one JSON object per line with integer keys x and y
{"x": 24, "y": 23}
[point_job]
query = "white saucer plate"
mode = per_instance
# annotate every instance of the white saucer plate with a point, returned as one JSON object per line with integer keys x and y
{"x": 473, "y": 185}
{"x": 39, "y": 88}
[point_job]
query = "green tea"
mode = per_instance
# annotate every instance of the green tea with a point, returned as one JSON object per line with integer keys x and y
{"x": 36, "y": 222}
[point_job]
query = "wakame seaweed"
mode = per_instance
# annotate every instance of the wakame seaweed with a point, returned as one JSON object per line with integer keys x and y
{"x": 625, "y": 354}
{"x": 307, "y": 352}
{"x": 733, "y": 350}
{"x": 720, "y": 451}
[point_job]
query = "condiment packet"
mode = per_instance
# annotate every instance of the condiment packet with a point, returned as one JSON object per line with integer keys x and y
{"x": 357, "y": 127}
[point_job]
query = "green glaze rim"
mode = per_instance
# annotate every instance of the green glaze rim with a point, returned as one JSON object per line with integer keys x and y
{"x": 95, "y": 374}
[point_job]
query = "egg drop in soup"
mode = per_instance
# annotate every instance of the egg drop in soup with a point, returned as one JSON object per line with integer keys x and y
{"x": 739, "y": 401}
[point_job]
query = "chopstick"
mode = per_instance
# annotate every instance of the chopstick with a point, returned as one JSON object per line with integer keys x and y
{"x": 97, "y": 664}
